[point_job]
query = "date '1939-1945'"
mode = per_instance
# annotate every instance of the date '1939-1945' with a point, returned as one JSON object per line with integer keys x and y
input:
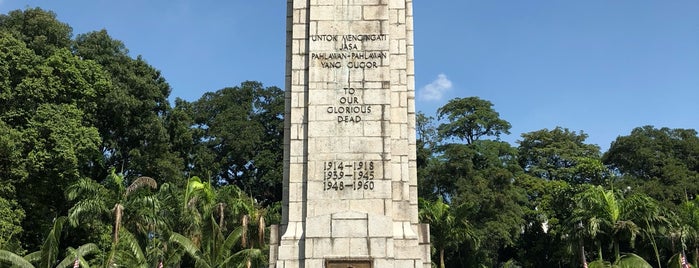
{"x": 356, "y": 176}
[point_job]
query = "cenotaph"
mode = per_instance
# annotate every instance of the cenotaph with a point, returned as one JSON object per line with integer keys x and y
{"x": 350, "y": 179}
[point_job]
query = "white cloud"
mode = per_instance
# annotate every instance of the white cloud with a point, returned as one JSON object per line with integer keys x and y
{"x": 436, "y": 89}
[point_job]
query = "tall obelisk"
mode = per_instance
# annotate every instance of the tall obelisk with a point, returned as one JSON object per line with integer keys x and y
{"x": 350, "y": 179}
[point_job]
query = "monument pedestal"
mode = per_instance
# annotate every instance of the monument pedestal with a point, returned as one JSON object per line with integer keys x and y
{"x": 350, "y": 178}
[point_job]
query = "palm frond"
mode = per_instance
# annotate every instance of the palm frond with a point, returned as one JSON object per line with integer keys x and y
{"x": 599, "y": 264}
{"x": 49, "y": 250}
{"x": 191, "y": 249}
{"x": 631, "y": 260}
{"x": 132, "y": 245}
{"x": 233, "y": 239}
{"x": 186, "y": 244}
{"x": 245, "y": 256}
{"x": 91, "y": 207}
{"x": 34, "y": 257}
{"x": 80, "y": 253}
{"x": 14, "y": 259}
{"x": 141, "y": 182}
{"x": 84, "y": 187}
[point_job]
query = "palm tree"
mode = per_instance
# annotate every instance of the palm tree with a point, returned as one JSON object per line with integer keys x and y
{"x": 95, "y": 198}
{"x": 72, "y": 254}
{"x": 604, "y": 212}
{"x": 688, "y": 225}
{"x": 207, "y": 240}
{"x": 447, "y": 228}
{"x": 650, "y": 217}
{"x": 47, "y": 256}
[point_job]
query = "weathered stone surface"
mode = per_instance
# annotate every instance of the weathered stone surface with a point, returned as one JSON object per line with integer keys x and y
{"x": 349, "y": 150}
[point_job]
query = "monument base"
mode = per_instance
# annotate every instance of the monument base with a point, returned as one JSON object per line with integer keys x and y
{"x": 406, "y": 250}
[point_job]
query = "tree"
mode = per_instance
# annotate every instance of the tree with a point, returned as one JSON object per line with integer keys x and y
{"x": 241, "y": 130}
{"x": 548, "y": 238}
{"x": 605, "y": 212}
{"x": 47, "y": 256}
{"x": 448, "y": 228}
{"x": 688, "y": 225}
{"x": 483, "y": 174}
{"x": 426, "y": 147}
{"x": 131, "y": 117}
{"x": 47, "y": 98}
{"x": 95, "y": 200}
{"x": 207, "y": 240}
{"x": 57, "y": 147}
{"x": 561, "y": 154}
{"x": 664, "y": 163}
{"x": 470, "y": 119}
{"x": 11, "y": 172}
{"x": 39, "y": 29}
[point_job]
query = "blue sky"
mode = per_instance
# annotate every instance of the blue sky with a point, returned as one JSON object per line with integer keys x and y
{"x": 600, "y": 66}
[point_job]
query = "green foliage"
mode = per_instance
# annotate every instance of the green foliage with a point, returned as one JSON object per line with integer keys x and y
{"x": 131, "y": 112}
{"x": 469, "y": 119}
{"x": 9, "y": 258}
{"x": 448, "y": 226}
{"x": 39, "y": 29}
{"x": 239, "y": 136}
{"x": 676, "y": 262}
{"x": 561, "y": 154}
{"x": 11, "y": 215}
{"x": 11, "y": 172}
{"x": 599, "y": 264}
{"x": 57, "y": 146}
{"x": 661, "y": 162}
{"x": 80, "y": 253}
{"x": 631, "y": 260}
{"x": 206, "y": 237}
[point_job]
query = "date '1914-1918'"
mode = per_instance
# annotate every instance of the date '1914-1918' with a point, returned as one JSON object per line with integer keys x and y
{"x": 356, "y": 176}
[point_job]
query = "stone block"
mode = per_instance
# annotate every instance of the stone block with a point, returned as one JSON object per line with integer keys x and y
{"x": 318, "y": 226}
{"x": 349, "y": 228}
{"x": 314, "y": 263}
{"x": 371, "y": 206}
{"x": 404, "y": 263}
{"x": 377, "y": 247}
{"x": 380, "y": 226}
{"x": 341, "y": 247}
{"x": 359, "y": 246}
{"x": 375, "y": 12}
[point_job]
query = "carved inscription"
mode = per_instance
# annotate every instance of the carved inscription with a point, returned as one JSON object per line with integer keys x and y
{"x": 349, "y": 107}
{"x": 349, "y": 51}
{"x": 349, "y": 175}
{"x": 357, "y": 53}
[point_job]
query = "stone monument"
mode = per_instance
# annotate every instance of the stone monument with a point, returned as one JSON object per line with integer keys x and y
{"x": 350, "y": 179}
